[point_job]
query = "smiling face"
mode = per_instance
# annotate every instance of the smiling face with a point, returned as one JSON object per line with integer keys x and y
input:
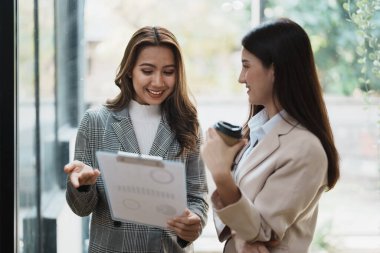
{"x": 258, "y": 80}
{"x": 154, "y": 75}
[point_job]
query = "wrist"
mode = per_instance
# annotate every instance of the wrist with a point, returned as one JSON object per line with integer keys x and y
{"x": 222, "y": 177}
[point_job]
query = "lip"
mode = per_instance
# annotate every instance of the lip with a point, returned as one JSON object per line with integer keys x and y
{"x": 155, "y": 93}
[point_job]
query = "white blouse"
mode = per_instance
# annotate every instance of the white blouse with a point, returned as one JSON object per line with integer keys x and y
{"x": 145, "y": 120}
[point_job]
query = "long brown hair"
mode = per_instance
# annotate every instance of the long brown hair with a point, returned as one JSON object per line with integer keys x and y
{"x": 178, "y": 109}
{"x": 285, "y": 45}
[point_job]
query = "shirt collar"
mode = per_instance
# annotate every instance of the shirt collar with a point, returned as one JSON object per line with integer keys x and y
{"x": 260, "y": 124}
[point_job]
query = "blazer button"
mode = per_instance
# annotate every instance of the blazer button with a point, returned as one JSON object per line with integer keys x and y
{"x": 117, "y": 224}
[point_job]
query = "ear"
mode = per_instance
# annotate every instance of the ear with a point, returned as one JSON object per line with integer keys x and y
{"x": 272, "y": 72}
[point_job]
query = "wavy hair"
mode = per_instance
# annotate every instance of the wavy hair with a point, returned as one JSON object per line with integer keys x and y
{"x": 177, "y": 109}
{"x": 285, "y": 45}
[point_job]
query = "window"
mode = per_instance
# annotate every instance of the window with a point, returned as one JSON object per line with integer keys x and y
{"x": 50, "y": 64}
{"x": 63, "y": 59}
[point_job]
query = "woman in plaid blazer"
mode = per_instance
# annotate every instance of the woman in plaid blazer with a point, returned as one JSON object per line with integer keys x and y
{"x": 151, "y": 75}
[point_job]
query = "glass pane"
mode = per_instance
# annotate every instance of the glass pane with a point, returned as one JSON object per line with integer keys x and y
{"x": 39, "y": 180}
{"x": 27, "y": 180}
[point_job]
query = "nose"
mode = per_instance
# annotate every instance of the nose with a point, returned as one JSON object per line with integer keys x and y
{"x": 158, "y": 80}
{"x": 241, "y": 77}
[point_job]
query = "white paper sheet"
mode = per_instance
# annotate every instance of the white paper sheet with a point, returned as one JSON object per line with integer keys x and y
{"x": 143, "y": 189}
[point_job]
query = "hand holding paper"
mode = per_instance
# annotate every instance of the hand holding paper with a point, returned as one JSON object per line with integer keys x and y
{"x": 187, "y": 226}
{"x": 143, "y": 189}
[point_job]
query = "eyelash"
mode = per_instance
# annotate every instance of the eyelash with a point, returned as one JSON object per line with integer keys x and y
{"x": 168, "y": 73}
{"x": 148, "y": 72}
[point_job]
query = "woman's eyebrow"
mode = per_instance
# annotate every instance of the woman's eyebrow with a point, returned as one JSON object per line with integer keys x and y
{"x": 154, "y": 66}
{"x": 147, "y": 64}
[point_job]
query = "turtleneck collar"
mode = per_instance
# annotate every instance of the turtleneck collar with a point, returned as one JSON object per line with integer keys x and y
{"x": 142, "y": 111}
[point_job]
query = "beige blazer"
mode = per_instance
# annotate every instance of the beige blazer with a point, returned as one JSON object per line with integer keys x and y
{"x": 281, "y": 182}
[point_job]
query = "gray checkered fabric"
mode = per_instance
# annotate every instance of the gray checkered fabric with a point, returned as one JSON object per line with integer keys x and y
{"x": 103, "y": 129}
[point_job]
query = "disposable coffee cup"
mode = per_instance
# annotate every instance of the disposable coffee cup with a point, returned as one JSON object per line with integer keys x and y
{"x": 231, "y": 134}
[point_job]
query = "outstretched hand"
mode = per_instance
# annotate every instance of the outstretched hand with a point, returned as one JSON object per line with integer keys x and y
{"x": 187, "y": 226}
{"x": 81, "y": 174}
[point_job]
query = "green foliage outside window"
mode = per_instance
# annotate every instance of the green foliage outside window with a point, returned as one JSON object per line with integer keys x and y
{"x": 365, "y": 16}
{"x": 335, "y": 41}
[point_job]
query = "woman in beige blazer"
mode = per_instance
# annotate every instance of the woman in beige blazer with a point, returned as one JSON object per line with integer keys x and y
{"x": 269, "y": 202}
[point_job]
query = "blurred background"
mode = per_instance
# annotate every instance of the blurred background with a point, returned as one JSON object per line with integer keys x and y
{"x": 68, "y": 55}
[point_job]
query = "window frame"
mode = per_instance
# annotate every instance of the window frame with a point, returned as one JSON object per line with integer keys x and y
{"x": 8, "y": 137}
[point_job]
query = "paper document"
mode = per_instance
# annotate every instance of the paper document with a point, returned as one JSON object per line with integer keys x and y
{"x": 143, "y": 189}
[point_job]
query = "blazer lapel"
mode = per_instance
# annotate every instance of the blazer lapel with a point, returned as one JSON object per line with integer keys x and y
{"x": 163, "y": 140}
{"x": 124, "y": 131}
{"x": 264, "y": 148}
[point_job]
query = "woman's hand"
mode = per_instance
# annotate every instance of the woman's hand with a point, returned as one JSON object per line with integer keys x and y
{"x": 187, "y": 226}
{"x": 245, "y": 247}
{"x": 81, "y": 174}
{"x": 218, "y": 158}
{"x": 217, "y": 155}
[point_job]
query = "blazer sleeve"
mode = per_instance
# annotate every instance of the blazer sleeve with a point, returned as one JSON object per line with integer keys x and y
{"x": 196, "y": 182}
{"x": 82, "y": 201}
{"x": 292, "y": 190}
{"x": 196, "y": 186}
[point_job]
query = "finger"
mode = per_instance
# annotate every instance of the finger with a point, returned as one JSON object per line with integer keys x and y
{"x": 184, "y": 226}
{"x": 185, "y": 230}
{"x": 83, "y": 176}
{"x": 239, "y": 145}
{"x": 208, "y": 134}
{"x": 74, "y": 179}
{"x": 187, "y": 212}
{"x": 96, "y": 174}
{"x": 68, "y": 168}
{"x": 186, "y": 235}
{"x": 88, "y": 176}
{"x": 78, "y": 163}
{"x": 262, "y": 249}
{"x": 213, "y": 133}
{"x": 191, "y": 223}
{"x": 189, "y": 219}
{"x": 272, "y": 243}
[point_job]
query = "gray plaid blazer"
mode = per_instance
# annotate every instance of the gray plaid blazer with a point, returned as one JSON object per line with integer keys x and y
{"x": 103, "y": 129}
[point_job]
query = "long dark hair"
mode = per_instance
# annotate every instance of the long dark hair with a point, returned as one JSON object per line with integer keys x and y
{"x": 285, "y": 45}
{"x": 178, "y": 109}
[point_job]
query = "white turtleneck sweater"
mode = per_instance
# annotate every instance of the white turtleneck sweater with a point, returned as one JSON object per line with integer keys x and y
{"x": 145, "y": 120}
